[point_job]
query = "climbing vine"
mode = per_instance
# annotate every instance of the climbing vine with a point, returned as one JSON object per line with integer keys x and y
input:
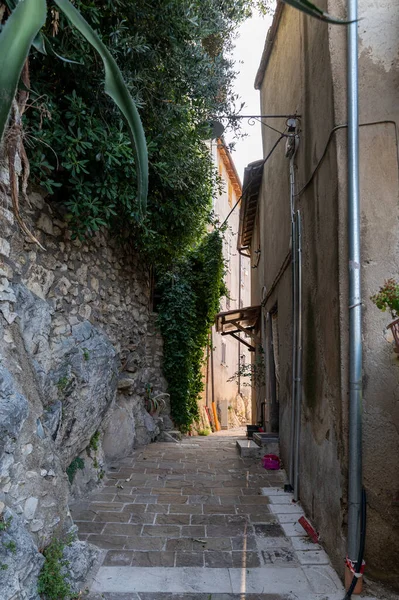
{"x": 190, "y": 300}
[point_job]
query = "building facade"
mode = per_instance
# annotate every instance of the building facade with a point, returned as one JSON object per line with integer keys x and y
{"x": 226, "y": 355}
{"x": 294, "y": 211}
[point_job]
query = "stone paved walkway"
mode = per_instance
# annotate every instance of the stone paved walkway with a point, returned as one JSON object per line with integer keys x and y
{"x": 193, "y": 520}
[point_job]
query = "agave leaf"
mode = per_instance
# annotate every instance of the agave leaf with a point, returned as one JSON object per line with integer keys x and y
{"x": 39, "y": 43}
{"x": 47, "y": 42}
{"x": 314, "y": 11}
{"x": 16, "y": 38}
{"x": 116, "y": 88}
{"x": 67, "y": 60}
{"x": 11, "y": 4}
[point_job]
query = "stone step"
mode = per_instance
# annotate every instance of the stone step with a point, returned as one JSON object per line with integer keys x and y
{"x": 201, "y": 596}
{"x": 206, "y": 596}
{"x": 268, "y": 443}
{"x": 194, "y": 596}
{"x": 248, "y": 449}
{"x": 170, "y": 436}
{"x": 304, "y": 581}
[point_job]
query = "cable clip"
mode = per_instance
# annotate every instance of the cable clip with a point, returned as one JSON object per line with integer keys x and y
{"x": 351, "y": 564}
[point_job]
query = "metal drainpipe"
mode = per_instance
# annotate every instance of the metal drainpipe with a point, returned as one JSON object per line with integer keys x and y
{"x": 239, "y": 306}
{"x": 355, "y": 301}
{"x": 291, "y": 149}
{"x": 298, "y": 387}
{"x": 294, "y": 319}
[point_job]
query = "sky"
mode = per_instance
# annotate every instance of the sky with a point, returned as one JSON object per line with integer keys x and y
{"x": 248, "y": 50}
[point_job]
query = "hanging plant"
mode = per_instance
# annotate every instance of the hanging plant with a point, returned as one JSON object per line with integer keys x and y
{"x": 387, "y": 298}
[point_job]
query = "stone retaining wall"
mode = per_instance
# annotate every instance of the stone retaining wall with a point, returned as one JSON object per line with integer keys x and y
{"x": 78, "y": 349}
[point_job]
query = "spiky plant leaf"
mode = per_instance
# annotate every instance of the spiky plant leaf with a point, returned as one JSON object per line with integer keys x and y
{"x": 314, "y": 11}
{"x": 16, "y": 38}
{"x": 39, "y": 43}
{"x": 116, "y": 88}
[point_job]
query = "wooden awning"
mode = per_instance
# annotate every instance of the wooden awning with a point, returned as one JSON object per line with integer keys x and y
{"x": 240, "y": 320}
{"x": 249, "y": 203}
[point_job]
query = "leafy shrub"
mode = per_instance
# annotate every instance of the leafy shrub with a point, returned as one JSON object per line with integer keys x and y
{"x": 77, "y": 463}
{"x": 204, "y": 432}
{"x": 251, "y": 374}
{"x": 51, "y": 582}
{"x": 175, "y": 59}
{"x": 387, "y": 297}
{"x": 94, "y": 441}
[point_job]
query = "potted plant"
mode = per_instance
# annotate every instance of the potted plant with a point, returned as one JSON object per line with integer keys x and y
{"x": 387, "y": 298}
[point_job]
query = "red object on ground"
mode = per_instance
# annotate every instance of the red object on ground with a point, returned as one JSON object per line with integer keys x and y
{"x": 271, "y": 462}
{"x": 311, "y": 531}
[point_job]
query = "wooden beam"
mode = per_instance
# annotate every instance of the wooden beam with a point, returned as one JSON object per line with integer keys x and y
{"x": 243, "y": 329}
{"x": 252, "y": 348}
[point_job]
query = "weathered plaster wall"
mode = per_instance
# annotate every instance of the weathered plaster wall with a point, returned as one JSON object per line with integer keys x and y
{"x": 78, "y": 346}
{"x": 307, "y": 73}
{"x": 230, "y": 404}
{"x": 378, "y": 101}
{"x": 294, "y": 83}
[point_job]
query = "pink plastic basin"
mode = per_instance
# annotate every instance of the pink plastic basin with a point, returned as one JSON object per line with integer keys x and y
{"x": 271, "y": 462}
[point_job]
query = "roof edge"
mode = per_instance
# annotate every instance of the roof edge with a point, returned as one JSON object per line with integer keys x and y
{"x": 267, "y": 50}
{"x": 253, "y": 175}
{"x": 229, "y": 163}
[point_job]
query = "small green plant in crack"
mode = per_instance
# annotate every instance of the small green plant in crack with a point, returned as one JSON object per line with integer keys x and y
{"x": 11, "y": 546}
{"x": 62, "y": 384}
{"x": 5, "y": 523}
{"x": 3, "y": 567}
{"x": 51, "y": 582}
{"x": 101, "y": 474}
{"x": 77, "y": 463}
{"x": 86, "y": 354}
{"x": 204, "y": 432}
{"x": 94, "y": 441}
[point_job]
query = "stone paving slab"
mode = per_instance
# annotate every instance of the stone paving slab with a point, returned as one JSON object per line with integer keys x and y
{"x": 175, "y": 580}
{"x": 195, "y": 521}
{"x": 199, "y": 596}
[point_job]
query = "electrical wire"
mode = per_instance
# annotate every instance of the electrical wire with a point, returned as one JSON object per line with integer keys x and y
{"x": 344, "y": 126}
{"x": 246, "y": 187}
{"x": 321, "y": 159}
{"x": 270, "y": 127}
{"x": 359, "y": 563}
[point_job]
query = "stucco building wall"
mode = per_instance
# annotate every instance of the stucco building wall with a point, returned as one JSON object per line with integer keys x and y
{"x": 228, "y": 353}
{"x": 306, "y": 74}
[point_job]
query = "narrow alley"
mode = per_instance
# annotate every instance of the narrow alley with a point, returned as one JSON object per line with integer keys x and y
{"x": 194, "y": 520}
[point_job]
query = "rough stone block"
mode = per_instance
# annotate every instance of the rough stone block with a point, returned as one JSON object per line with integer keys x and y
{"x": 248, "y": 449}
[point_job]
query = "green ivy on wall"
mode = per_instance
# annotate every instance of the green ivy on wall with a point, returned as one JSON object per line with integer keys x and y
{"x": 190, "y": 300}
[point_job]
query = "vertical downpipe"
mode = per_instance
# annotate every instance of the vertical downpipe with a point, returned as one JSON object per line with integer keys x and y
{"x": 298, "y": 387}
{"x": 294, "y": 319}
{"x": 294, "y": 335}
{"x": 239, "y": 306}
{"x": 355, "y": 302}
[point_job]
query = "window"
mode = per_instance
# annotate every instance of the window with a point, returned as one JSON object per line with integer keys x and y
{"x": 223, "y": 353}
